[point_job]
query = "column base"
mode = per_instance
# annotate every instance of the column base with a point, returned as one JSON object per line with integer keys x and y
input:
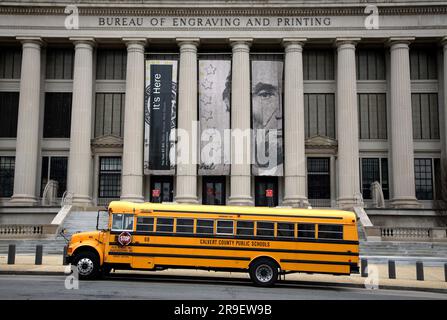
{"x": 405, "y": 203}
{"x": 81, "y": 201}
{"x": 23, "y": 200}
{"x": 191, "y": 199}
{"x": 240, "y": 201}
{"x": 296, "y": 202}
{"x": 349, "y": 203}
{"x": 132, "y": 198}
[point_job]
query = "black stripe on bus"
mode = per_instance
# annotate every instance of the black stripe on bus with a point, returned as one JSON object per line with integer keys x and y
{"x": 233, "y": 237}
{"x": 316, "y": 262}
{"x": 138, "y": 254}
{"x": 237, "y": 248}
{"x": 244, "y": 214}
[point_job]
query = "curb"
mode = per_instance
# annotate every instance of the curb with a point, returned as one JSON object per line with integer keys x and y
{"x": 130, "y": 276}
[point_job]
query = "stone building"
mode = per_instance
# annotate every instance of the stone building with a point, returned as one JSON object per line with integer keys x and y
{"x": 360, "y": 98}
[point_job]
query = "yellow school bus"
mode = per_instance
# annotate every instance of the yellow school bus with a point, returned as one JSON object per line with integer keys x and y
{"x": 264, "y": 241}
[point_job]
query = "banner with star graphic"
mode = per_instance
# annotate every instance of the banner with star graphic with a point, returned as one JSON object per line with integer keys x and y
{"x": 160, "y": 113}
{"x": 214, "y": 113}
{"x": 266, "y": 97}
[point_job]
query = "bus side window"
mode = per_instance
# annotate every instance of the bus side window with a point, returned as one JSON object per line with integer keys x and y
{"x": 265, "y": 229}
{"x": 306, "y": 230}
{"x": 205, "y": 226}
{"x": 145, "y": 224}
{"x": 285, "y": 230}
{"x": 165, "y": 224}
{"x": 330, "y": 231}
{"x": 245, "y": 228}
{"x": 185, "y": 225}
{"x": 225, "y": 227}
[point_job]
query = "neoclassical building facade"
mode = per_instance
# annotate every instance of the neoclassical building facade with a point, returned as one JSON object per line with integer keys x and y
{"x": 356, "y": 93}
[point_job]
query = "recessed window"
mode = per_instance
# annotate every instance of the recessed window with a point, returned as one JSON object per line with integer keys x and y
{"x": 185, "y": 226}
{"x": 330, "y": 231}
{"x": 165, "y": 225}
{"x": 60, "y": 63}
{"x": 145, "y": 224}
{"x": 285, "y": 230}
{"x": 109, "y": 178}
{"x": 9, "y": 113}
{"x": 10, "y": 62}
{"x": 306, "y": 230}
{"x": 54, "y": 168}
{"x": 265, "y": 229}
{"x": 57, "y": 115}
{"x": 319, "y": 114}
{"x": 205, "y": 226}
{"x": 423, "y": 175}
{"x": 245, "y": 228}
{"x": 111, "y": 64}
{"x": 6, "y": 176}
{"x": 225, "y": 227}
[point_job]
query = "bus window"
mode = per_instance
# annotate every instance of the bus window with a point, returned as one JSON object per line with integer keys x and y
{"x": 145, "y": 224}
{"x": 185, "y": 226}
{"x": 205, "y": 226}
{"x": 122, "y": 222}
{"x": 225, "y": 227}
{"x": 245, "y": 228}
{"x": 165, "y": 224}
{"x": 285, "y": 230}
{"x": 330, "y": 231}
{"x": 265, "y": 229}
{"x": 306, "y": 230}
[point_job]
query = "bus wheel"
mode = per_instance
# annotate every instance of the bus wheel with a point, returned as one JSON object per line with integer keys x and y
{"x": 87, "y": 265}
{"x": 263, "y": 272}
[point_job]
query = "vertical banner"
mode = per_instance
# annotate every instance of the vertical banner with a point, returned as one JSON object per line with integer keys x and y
{"x": 214, "y": 113}
{"x": 160, "y": 113}
{"x": 267, "y": 137}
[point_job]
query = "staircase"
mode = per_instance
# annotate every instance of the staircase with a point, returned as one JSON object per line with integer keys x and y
{"x": 398, "y": 248}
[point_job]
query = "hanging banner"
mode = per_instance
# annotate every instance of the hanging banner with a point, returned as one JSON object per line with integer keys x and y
{"x": 160, "y": 112}
{"x": 214, "y": 113}
{"x": 267, "y": 137}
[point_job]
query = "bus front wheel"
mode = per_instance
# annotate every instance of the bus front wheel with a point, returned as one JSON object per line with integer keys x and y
{"x": 87, "y": 265}
{"x": 263, "y": 272}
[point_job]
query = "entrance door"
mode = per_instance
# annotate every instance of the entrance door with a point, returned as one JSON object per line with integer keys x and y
{"x": 162, "y": 189}
{"x": 318, "y": 181}
{"x": 213, "y": 190}
{"x": 262, "y": 184}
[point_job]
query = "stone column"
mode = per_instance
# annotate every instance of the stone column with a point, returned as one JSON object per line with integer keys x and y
{"x": 404, "y": 194}
{"x": 240, "y": 186}
{"x": 27, "y": 145}
{"x": 294, "y": 149}
{"x": 186, "y": 187}
{"x": 79, "y": 162}
{"x": 132, "y": 174}
{"x": 347, "y": 125}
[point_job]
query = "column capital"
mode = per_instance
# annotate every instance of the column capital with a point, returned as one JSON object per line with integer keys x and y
{"x": 135, "y": 44}
{"x": 293, "y": 44}
{"x": 36, "y": 41}
{"x": 187, "y": 42}
{"x": 240, "y": 44}
{"x": 401, "y": 41}
{"x": 346, "y": 43}
{"x": 444, "y": 42}
{"x": 83, "y": 42}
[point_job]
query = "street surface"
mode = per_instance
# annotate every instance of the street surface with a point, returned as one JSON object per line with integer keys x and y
{"x": 136, "y": 287}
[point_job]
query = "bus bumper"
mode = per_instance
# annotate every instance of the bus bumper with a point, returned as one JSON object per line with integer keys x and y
{"x": 354, "y": 269}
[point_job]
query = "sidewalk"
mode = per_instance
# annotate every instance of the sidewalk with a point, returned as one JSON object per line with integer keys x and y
{"x": 405, "y": 274}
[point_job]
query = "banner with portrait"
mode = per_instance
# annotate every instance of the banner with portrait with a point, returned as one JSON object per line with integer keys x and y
{"x": 214, "y": 115}
{"x": 160, "y": 111}
{"x": 267, "y": 136}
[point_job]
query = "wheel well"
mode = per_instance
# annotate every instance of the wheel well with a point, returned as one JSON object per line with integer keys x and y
{"x": 86, "y": 249}
{"x": 265, "y": 258}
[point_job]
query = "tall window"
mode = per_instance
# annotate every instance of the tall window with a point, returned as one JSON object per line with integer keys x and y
{"x": 319, "y": 115}
{"x": 10, "y": 62}
{"x": 423, "y": 64}
{"x": 370, "y": 64}
{"x": 109, "y": 177}
{"x": 425, "y": 115}
{"x": 60, "y": 63}
{"x": 318, "y": 64}
{"x": 6, "y": 176}
{"x": 111, "y": 64}
{"x": 318, "y": 181}
{"x": 423, "y": 174}
{"x": 9, "y": 110}
{"x": 109, "y": 116}
{"x": 54, "y": 168}
{"x": 372, "y": 115}
{"x": 374, "y": 169}
{"x": 57, "y": 117}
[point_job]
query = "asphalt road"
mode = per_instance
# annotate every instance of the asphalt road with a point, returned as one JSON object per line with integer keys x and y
{"x": 133, "y": 287}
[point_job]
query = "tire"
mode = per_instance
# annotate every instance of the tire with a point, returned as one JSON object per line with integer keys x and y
{"x": 87, "y": 265}
{"x": 263, "y": 272}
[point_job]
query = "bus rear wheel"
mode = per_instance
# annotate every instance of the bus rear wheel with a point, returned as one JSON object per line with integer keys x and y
{"x": 263, "y": 272}
{"x": 87, "y": 265}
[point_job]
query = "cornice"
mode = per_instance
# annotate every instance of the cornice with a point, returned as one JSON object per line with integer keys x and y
{"x": 219, "y": 11}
